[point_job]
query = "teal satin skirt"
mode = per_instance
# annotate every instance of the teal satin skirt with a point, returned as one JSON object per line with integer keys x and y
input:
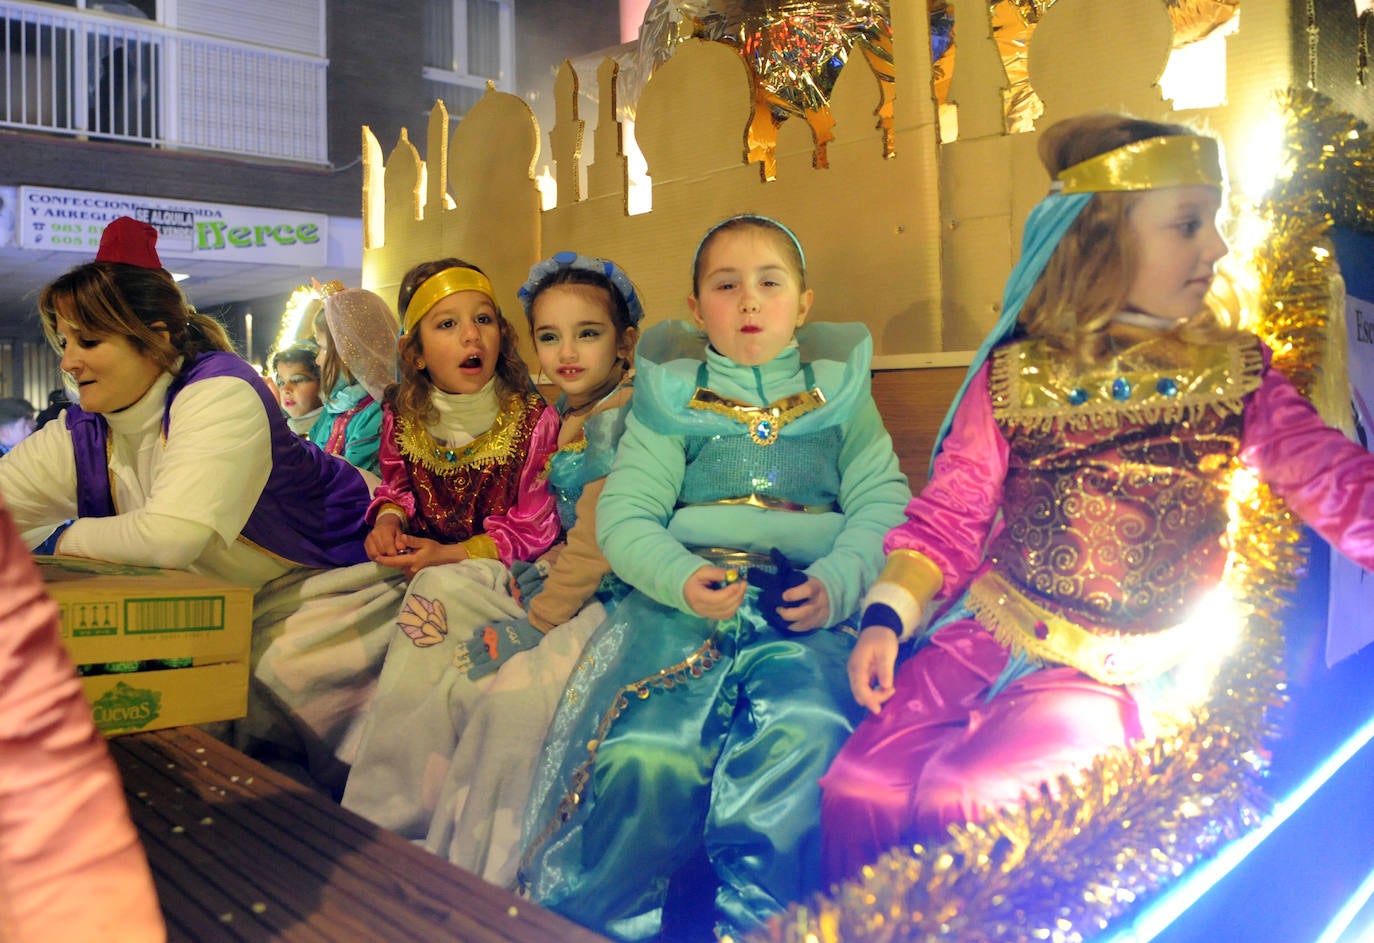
{"x": 678, "y": 735}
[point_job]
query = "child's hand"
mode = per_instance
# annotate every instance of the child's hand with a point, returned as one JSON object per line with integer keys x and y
{"x": 419, "y": 552}
{"x": 385, "y": 538}
{"x": 809, "y": 606}
{"x": 710, "y": 593}
{"x": 871, "y": 665}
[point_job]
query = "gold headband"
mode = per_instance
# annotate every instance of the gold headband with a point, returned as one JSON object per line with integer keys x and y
{"x": 438, "y": 287}
{"x": 1178, "y": 160}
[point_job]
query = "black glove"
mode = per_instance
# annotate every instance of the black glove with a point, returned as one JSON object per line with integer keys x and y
{"x": 773, "y": 585}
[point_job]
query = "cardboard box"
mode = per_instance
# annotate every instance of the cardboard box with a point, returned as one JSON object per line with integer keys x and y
{"x": 187, "y": 635}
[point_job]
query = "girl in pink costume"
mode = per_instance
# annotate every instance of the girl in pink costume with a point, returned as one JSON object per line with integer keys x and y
{"x": 1075, "y": 518}
{"x": 466, "y": 440}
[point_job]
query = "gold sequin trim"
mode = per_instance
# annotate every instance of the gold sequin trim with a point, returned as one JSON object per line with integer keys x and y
{"x": 765, "y": 423}
{"x": 493, "y": 446}
{"x": 693, "y": 666}
{"x": 1037, "y": 388}
{"x": 579, "y": 445}
{"x": 1047, "y": 638}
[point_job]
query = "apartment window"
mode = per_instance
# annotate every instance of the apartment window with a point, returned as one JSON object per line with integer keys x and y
{"x": 467, "y": 44}
{"x": 138, "y": 9}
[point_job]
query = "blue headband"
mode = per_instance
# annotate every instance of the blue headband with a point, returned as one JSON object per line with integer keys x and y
{"x": 571, "y": 260}
{"x": 1045, "y": 228}
{"x": 767, "y": 221}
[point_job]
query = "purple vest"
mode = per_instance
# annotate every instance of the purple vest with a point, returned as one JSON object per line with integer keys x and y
{"x": 309, "y": 513}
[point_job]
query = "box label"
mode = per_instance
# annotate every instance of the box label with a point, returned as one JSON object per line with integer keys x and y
{"x": 174, "y": 614}
{"x": 124, "y": 708}
{"x": 85, "y": 620}
{"x": 155, "y": 616}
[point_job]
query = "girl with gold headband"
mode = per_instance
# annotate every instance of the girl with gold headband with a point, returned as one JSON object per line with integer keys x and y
{"x": 1062, "y": 572}
{"x": 465, "y": 442}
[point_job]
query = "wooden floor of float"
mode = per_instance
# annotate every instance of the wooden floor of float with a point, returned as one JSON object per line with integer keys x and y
{"x": 240, "y": 852}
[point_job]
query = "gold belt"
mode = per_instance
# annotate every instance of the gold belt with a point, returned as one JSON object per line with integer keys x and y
{"x": 1048, "y": 638}
{"x": 729, "y": 557}
{"x": 767, "y": 502}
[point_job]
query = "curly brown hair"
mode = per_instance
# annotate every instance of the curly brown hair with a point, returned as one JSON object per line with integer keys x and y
{"x": 412, "y": 397}
{"x": 134, "y": 302}
{"x": 1088, "y": 277}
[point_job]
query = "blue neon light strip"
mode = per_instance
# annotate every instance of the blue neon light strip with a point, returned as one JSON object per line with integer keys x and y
{"x": 1187, "y": 892}
{"x": 1349, "y": 911}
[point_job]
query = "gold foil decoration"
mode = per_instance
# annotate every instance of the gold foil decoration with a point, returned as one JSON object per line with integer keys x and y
{"x": 794, "y": 50}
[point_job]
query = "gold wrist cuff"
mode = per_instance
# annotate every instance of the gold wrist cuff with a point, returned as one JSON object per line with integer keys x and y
{"x": 390, "y": 507}
{"x": 914, "y": 572}
{"x": 481, "y": 547}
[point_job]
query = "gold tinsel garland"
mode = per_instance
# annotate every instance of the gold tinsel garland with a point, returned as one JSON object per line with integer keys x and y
{"x": 1065, "y": 867}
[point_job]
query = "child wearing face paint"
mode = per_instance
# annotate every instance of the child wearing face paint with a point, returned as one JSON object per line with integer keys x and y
{"x": 705, "y": 708}
{"x": 465, "y": 441}
{"x": 355, "y": 331}
{"x": 1076, "y": 516}
{"x": 478, "y": 704}
{"x": 296, "y": 376}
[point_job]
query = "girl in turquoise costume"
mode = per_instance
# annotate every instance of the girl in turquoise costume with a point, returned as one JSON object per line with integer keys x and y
{"x": 356, "y": 334}
{"x": 583, "y": 315}
{"x": 746, "y": 505}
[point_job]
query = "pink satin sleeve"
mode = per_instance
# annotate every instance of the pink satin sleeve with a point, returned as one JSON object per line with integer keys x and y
{"x": 1325, "y": 478}
{"x": 531, "y": 526}
{"x": 953, "y": 516}
{"x": 395, "y": 487}
{"x": 71, "y": 866}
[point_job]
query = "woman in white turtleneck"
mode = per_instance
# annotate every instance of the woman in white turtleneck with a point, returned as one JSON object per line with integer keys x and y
{"x": 177, "y": 455}
{"x": 465, "y": 437}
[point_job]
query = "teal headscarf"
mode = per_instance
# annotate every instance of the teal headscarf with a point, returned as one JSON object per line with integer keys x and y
{"x": 1045, "y": 228}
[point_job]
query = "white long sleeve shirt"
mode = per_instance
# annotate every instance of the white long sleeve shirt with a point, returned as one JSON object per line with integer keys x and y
{"x": 182, "y": 501}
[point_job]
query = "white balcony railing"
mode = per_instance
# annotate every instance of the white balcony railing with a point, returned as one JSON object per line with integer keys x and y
{"x": 97, "y": 76}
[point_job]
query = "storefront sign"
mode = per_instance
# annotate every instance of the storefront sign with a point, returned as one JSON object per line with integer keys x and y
{"x": 72, "y": 220}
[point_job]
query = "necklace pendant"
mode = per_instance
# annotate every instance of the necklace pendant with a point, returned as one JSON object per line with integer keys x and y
{"x": 763, "y": 431}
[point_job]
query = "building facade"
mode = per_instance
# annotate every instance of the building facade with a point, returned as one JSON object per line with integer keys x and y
{"x": 237, "y": 128}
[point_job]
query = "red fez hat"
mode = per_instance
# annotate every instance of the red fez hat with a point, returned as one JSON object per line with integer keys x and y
{"x": 129, "y": 241}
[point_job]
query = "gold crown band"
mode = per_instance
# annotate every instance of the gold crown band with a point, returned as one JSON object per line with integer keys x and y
{"x": 438, "y": 287}
{"x": 1177, "y": 160}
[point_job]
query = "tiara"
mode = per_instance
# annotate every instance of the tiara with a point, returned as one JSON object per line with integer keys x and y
{"x": 613, "y": 273}
{"x": 325, "y": 290}
{"x": 438, "y": 287}
{"x": 1176, "y": 160}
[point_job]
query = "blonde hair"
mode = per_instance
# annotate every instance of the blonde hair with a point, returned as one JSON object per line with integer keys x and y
{"x": 1090, "y": 273}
